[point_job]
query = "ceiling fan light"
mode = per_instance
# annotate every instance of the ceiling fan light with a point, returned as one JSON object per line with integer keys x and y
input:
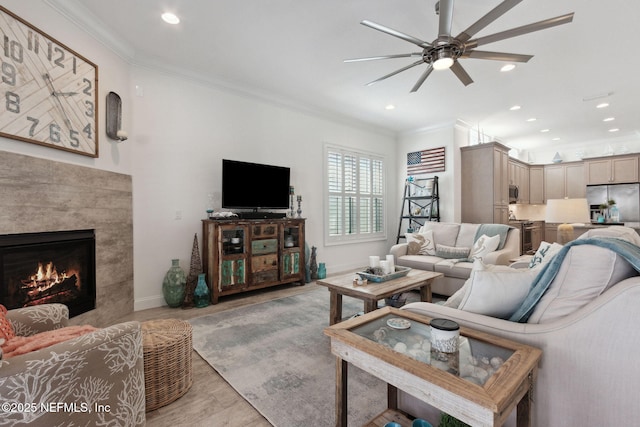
{"x": 442, "y": 63}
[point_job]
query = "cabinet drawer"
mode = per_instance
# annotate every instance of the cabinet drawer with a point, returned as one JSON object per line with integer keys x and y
{"x": 266, "y": 246}
{"x": 264, "y": 263}
{"x": 265, "y": 276}
{"x": 265, "y": 230}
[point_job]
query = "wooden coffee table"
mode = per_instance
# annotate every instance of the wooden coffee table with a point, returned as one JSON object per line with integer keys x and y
{"x": 373, "y": 292}
{"x": 475, "y": 392}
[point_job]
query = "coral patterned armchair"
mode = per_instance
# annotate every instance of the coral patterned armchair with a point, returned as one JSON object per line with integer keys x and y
{"x": 94, "y": 379}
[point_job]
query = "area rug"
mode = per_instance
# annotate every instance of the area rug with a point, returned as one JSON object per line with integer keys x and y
{"x": 277, "y": 357}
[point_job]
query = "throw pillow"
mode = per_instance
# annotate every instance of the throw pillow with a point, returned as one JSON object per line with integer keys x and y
{"x": 497, "y": 293}
{"x": 544, "y": 254}
{"x": 483, "y": 246}
{"x": 451, "y": 252}
{"x": 586, "y": 272}
{"x": 6, "y": 328}
{"x": 420, "y": 243}
{"x": 455, "y": 300}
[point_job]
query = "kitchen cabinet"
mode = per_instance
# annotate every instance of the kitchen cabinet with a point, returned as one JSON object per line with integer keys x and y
{"x": 537, "y": 234}
{"x": 519, "y": 176}
{"x": 550, "y": 233}
{"x": 612, "y": 170}
{"x": 536, "y": 185}
{"x": 500, "y": 176}
{"x": 564, "y": 181}
{"x": 485, "y": 183}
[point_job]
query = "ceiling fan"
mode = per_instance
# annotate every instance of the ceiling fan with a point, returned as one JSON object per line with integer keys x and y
{"x": 445, "y": 51}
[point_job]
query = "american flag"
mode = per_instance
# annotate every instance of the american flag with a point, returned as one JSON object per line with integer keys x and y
{"x": 425, "y": 161}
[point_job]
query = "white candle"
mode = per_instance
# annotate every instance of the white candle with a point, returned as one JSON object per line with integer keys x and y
{"x": 374, "y": 261}
{"x": 384, "y": 264}
{"x": 392, "y": 263}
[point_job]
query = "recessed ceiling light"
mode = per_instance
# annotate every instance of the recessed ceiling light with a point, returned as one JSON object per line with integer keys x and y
{"x": 602, "y": 105}
{"x": 532, "y": 119}
{"x": 389, "y": 107}
{"x": 609, "y": 119}
{"x": 170, "y": 18}
{"x": 555, "y": 139}
{"x": 507, "y": 67}
{"x": 544, "y": 130}
{"x": 614, "y": 130}
{"x": 515, "y": 107}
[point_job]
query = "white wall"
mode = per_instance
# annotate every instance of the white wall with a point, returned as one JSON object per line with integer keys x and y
{"x": 452, "y": 137}
{"x": 181, "y": 132}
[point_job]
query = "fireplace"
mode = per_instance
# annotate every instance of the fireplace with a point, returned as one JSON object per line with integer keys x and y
{"x": 50, "y": 267}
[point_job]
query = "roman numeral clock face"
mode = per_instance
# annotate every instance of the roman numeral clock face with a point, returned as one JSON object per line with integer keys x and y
{"x": 48, "y": 92}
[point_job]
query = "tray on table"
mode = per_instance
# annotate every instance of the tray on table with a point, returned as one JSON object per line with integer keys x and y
{"x": 400, "y": 272}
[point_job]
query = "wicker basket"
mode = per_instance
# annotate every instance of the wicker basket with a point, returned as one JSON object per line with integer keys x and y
{"x": 167, "y": 346}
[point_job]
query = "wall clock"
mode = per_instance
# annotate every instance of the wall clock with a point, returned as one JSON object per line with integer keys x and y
{"x": 48, "y": 92}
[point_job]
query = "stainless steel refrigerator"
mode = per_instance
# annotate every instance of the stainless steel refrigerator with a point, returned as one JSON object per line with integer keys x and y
{"x": 626, "y": 196}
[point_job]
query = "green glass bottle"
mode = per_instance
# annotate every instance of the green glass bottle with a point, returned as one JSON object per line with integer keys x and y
{"x": 201, "y": 295}
{"x": 174, "y": 285}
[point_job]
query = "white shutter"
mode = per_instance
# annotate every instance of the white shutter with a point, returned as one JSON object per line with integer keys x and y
{"x": 354, "y": 196}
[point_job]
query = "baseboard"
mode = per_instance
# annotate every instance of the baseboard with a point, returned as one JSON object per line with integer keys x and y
{"x": 148, "y": 302}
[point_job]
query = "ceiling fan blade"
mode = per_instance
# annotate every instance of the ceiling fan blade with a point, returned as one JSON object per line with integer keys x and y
{"x": 446, "y": 17}
{"x": 487, "y": 19}
{"x": 374, "y": 58}
{"x": 396, "y": 72}
{"x": 497, "y": 56}
{"x": 461, "y": 74}
{"x": 525, "y": 29}
{"x": 422, "y": 78}
{"x": 423, "y": 44}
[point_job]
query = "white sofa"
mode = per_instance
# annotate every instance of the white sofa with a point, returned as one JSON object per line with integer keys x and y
{"x": 586, "y": 325}
{"x": 454, "y": 235}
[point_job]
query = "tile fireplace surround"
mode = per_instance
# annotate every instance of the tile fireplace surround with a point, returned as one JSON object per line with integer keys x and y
{"x": 38, "y": 195}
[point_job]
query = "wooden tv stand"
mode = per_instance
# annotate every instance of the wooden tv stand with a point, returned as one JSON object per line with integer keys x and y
{"x": 246, "y": 254}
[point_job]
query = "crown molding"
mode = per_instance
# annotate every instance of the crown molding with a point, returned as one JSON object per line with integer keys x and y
{"x": 83, "y": 18}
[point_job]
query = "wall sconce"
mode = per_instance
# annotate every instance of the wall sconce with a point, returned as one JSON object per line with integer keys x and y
{"x": 114, "y": 117}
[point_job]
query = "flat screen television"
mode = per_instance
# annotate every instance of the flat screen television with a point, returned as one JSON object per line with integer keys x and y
{"x": 254, "y": 186}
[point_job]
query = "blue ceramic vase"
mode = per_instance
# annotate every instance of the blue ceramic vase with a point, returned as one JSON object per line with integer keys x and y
{"x": 201, "y": 294}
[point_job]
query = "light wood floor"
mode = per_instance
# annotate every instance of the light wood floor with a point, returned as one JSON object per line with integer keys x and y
{"x": 211, "y": 401}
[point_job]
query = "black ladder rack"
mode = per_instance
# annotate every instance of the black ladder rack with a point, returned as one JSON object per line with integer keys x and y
{"x": 420, "y": 203}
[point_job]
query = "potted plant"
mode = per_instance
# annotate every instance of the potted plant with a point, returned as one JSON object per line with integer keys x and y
{"x": 606, "y": 210}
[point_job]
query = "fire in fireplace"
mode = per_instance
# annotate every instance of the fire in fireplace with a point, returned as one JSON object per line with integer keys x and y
{"x": 42, "y": 268}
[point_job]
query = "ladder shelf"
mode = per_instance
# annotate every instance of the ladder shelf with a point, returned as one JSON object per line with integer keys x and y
{"x": 420, "y": 203}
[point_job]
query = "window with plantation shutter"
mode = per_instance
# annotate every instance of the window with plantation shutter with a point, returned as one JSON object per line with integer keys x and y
{"x": 354, "y": 196}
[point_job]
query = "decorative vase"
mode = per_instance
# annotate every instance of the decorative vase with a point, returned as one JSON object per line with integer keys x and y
{"x": 201, "y": 294}
{"x": 174, "y": 285}
{"x": 313, "y": 264}
{"x": 322, "y": 271}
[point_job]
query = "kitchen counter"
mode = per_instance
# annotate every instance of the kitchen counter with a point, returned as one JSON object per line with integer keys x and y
{"x": 551, "y": 229}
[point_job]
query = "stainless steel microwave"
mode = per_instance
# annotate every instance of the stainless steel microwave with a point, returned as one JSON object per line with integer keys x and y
{"x": 513, "y": 194}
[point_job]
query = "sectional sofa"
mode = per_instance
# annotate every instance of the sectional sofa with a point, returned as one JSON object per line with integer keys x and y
{"x": 585, "y": 322}
{"x": 449, "y": 237}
